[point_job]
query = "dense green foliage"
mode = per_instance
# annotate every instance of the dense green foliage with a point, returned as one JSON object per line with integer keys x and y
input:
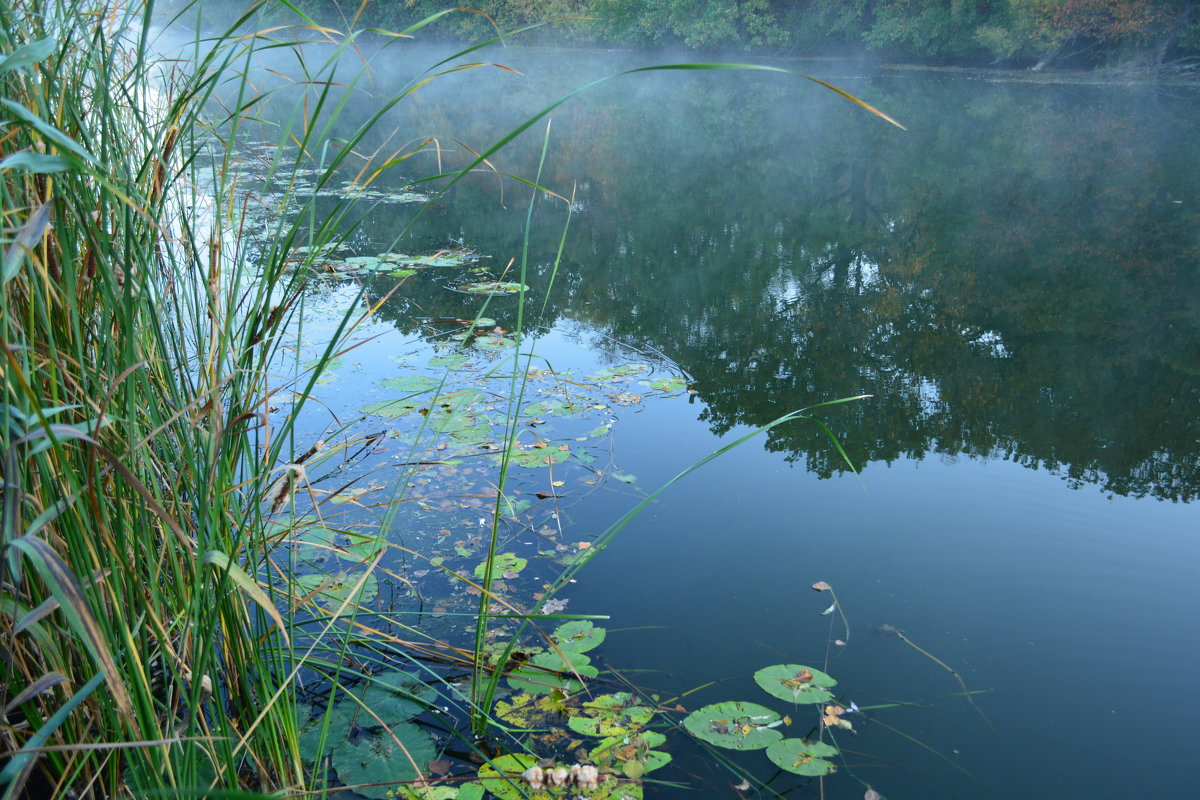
{"x": 1148, "y": 33}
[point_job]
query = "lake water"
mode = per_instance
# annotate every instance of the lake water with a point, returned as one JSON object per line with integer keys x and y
{"x": 1015, "y": 282}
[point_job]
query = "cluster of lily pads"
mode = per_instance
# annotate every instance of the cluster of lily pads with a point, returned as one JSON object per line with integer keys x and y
{"x": 749, "y": 726}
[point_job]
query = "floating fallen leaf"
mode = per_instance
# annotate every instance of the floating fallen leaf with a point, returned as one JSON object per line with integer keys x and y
{"x": 871, "y": 794}
{"x": 744, "y": 786}
{"x": 822, "y": 586}
{"x": 829, "y": 610}
{"x": 839, "y": 642}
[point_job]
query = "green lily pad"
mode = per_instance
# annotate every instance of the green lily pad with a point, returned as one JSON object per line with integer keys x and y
{"x": 411, "y": 384}
{"x": 450, "y": 420}
{"x": 389, "y": 408}
{"x": 402, "y": 273}
{"x": 450, "y": 361}
{"x": 474, "y": 435}
{"x": 734, "y": 724}
{"x": 380, "y": 759}
{"x": 329, "y": 591}
{"x": 802, "y": 757}
{"x": 318, "y": 545}
{"x": 618, "y": 373}
{"x": 579, "y": 635}
{"x": 543, "y": 681}
{"x": 610, "y": 715}
{"x": 393, "y": 697}
{"x": 618, "y": 748}
{"x": 432, "y": 793}
{"x": 543, "y": 456}
{"x": 494, "y": 287}
{"x": 494, "y": 343}
{"x": 791, "y": 682}
{"x": 673, "y": 384}
{"x": 551, "y": 408}
{"x": 336, "y": 733}
{"x": 504, "y": 562}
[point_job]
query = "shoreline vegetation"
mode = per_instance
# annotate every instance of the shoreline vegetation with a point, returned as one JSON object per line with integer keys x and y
{"x": 1123, "y": 37}
{"x": 181, "y": 612}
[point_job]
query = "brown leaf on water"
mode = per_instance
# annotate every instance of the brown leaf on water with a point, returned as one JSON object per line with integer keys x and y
{"x": 822, "y": 586}
{"x": 835, "y": 711}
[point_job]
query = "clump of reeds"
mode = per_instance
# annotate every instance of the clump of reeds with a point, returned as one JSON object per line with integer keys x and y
{"x": 141, "y": 652}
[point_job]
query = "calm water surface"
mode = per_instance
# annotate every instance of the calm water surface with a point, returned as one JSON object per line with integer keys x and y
{"x": 1016, "y": 282}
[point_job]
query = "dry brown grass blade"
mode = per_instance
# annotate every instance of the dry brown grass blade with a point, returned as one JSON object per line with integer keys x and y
{"x": 61, "y": 581}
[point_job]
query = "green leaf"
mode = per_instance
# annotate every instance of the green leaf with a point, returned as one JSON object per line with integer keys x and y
{"x": 543, "y": 681}
{"x": 221, "y": 561}
{"x": 394, "y": 697}
{"x": 494, "y": 287}
{"x": 550, "y": 408}
{"x": 736, "y": 725}
{"x": 330, "y": 592}
{"x": 27, "y": 54}
{"x": 389, "y": 408}
{"x": 802, "y": 757}
{"x": 789, "y": 682}
{"x": 504, "y": 562}
{"x": 380, "y": 759}
{"x": 38, "y": 163}
{"x": 414, "y": 384}
{"x": 579, "y": 635}
{"x": 45, "y": 129}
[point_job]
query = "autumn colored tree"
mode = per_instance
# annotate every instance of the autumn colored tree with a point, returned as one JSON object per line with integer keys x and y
{"x": 1047, "y": 30}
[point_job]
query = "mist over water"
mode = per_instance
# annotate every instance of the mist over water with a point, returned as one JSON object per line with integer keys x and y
{"x": 1016, "y": 282}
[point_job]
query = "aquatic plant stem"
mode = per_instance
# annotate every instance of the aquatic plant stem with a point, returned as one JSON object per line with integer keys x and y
{"x": 966, "y": 692}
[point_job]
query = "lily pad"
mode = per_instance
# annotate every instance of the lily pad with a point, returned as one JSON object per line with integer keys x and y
{"x": 393, "y": 697}
{"x": 412, "y": 384}
{"x": 551, "y": 408}
{"x": 336, "y": 733}
{"x": 450, "y": 361}
{"x": 318, "y": 545}
{"x": 329, "y": 591}
{"x": 795, "y": 683}
{"x": 617, "y": 373}
{"x": 673, "y": 384}
{"x": 380, "y": 759}
{"x": 504, "y": 562}
{"x": 734, "y": 724}
{"x": 494, "y": 343}
{"x": 544, "y": 680}
{"x": 610, "y": 715}
{"x": 494, "y": 287}
{"x": 803, "y": 757}
{"x": 537, "y": 456}
{"x": 579, "y": 635}
{"x": 389, "y": 408}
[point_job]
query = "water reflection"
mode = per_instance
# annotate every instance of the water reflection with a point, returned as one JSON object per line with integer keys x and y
{"x": 1015, "y": 277}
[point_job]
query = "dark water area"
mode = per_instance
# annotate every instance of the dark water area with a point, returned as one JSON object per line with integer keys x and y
{"x": 1015, "y": 282}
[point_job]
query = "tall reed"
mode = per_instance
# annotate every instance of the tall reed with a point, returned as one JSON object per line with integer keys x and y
{"x": 141, "y": 653}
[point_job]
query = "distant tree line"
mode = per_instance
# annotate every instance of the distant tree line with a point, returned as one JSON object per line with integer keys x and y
{"x": 1156, "y": 34}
